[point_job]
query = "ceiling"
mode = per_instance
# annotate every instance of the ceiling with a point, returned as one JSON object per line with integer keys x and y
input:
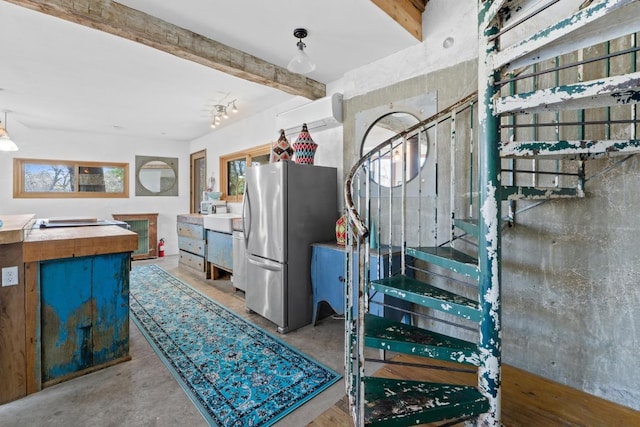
{"x": 59, "y": 75}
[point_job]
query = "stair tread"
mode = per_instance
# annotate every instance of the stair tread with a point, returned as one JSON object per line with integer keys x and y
{"x": 602, "y": 92}
{"x": 538, "y": 193}
{"x": 468, "y": 225}
{"x": 427, "y": 295}
{"x": 585, "y": 27}
{"x": 400, "y": 337}
{"x": 447, "y": 257}
{"x": 403, "y": 402}
{"x": 447, "y": 252}
{"x": 569, "y": 149}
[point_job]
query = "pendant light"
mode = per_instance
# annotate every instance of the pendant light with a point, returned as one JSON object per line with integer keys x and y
{"x": 301, "y": 63}
{"x": 6, "y": 144}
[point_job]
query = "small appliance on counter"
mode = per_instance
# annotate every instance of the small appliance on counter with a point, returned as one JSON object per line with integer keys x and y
{"x": 208, "y": 207}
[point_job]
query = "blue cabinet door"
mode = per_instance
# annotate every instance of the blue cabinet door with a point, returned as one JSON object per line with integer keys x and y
{"x": 327, "y": 278}
{"x": 67, "y": 316}
{"x": 84, "y": 313}
{"x": 111, "y": 304}
{"x": 328, "y": 281}
{"x": 220, "y": 249}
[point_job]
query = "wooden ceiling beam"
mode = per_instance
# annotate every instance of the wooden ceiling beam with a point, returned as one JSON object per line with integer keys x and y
{"x": 131, "y": 24}
{"x": 407, "y": 13}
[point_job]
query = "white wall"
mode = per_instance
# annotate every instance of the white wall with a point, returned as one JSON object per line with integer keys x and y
{"x": 425, "y": 57}
{"x": 59, "y": 145}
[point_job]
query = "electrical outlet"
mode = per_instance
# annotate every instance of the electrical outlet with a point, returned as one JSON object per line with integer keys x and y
{"x": 10, "y": 276}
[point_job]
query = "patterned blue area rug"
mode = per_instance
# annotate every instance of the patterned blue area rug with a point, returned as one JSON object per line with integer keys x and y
{"x": 236, "y": 373}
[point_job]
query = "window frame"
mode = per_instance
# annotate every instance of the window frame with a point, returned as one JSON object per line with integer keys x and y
{"x": 20, "y": 193}
{"x": 247, "y": 155}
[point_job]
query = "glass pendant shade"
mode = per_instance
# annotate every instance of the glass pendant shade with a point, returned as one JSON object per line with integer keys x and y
{"x": 6, "y": 144}
{"x": 301, "y": 63}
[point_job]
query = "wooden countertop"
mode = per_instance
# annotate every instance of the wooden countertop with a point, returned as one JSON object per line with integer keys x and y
{"x": 14, "y": 227}
{"x": 191, "y": 218}
{"x": 68, "y": 242}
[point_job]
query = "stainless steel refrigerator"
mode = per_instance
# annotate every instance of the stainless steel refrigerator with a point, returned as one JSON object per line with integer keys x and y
{"x": 287, "y": 206}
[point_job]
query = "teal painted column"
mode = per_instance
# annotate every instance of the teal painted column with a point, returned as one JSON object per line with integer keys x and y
{"x": 489, "y": 250}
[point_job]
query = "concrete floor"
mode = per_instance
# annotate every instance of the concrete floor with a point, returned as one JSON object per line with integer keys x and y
{"x": 142, "y": 392}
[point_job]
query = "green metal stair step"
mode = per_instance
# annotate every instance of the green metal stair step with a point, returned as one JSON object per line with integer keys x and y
{"x": 392, "y": 402}
{"x": 538, "y": 193}
{"x": 468, "y": 225}
{"x": 449, "y": 258}
{"x": 418, "y": 292}
{"x": 385, "y": 334}
{"x": 569, "y": 149}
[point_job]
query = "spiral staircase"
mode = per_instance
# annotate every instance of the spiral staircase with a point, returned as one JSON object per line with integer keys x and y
{"x": 547, "y": 103}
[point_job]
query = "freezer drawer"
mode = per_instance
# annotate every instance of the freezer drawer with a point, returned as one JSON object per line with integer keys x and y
{"x": 265, "y": 294}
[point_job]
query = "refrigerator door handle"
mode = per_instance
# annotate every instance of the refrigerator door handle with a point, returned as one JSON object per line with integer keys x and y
{"x": 267, "y": 265}
{"x": 246, "y": 204}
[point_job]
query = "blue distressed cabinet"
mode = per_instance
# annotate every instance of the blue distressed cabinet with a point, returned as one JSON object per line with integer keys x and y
{"x": 220, "y": 250}
{"x": 192, "y": 244}
{"x": 85, "y": 313}
{"x": 328, "y": 280}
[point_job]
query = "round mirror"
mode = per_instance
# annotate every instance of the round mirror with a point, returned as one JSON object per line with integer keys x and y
{"x": 157, "y": 176}
{"x": 386, "y": 168}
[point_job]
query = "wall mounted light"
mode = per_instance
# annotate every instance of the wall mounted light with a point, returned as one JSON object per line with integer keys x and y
{"x": 220, "y": 112}
{"x": 301, "y": 63}
{"x": 6, "y": 144}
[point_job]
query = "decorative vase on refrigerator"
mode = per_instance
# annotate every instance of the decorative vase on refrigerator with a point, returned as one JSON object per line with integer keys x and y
{"x": 281, "y": 149}
{"x": 304, "y": 147}
{"x": 286, "y": 207}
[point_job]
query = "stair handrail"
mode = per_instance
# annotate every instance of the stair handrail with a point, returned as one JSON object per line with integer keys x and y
{"x": 351, "y": 210}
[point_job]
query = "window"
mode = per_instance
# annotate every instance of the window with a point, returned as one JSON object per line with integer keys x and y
{"x": 233, "y": 168}
{"x": 36, "y": 178}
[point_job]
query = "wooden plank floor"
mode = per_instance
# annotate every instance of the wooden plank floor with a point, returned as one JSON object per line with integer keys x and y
{"x": 527, "y": 400}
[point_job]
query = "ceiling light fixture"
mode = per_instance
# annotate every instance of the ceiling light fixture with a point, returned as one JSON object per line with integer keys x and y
{"x": 220, "y": 112}
{"x": 6, "y": 144}
{"x": 301, "y": 63}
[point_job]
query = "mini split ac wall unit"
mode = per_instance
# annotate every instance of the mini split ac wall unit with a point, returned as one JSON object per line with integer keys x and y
{"x": 321, "y": 114}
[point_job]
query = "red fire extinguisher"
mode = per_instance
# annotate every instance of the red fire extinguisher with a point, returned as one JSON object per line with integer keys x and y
{"x": 161, "y": 248}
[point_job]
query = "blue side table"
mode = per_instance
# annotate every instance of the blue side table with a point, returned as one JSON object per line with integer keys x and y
{"x": 328, "y": 276}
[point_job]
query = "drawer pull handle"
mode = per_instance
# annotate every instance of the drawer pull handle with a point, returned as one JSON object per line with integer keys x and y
{"x": 341, "y": 278}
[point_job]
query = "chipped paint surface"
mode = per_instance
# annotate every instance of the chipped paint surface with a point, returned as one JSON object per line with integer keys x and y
{"x": 489, "y": 233}
{"x": 528, "y": 48}
{"x": 539, "y": 193}
{"x": 608, "y": 91}
{"x": 569, "y": 150}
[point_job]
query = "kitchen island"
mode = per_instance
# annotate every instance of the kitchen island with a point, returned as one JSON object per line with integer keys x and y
{"x": 75, "y": 299}
{"x": 12, "y": 311}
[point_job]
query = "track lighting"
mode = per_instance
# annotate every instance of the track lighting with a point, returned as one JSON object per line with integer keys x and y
{"x": 220, "y": 112}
